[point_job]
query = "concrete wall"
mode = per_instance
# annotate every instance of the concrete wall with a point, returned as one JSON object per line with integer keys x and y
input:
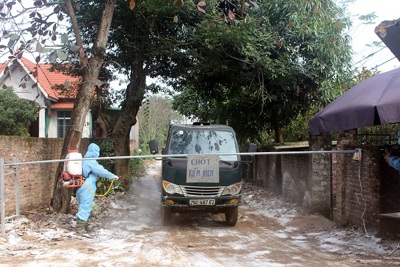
{"x": 295, "y": 177}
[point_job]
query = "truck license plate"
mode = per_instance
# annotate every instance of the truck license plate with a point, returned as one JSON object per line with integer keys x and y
{"x": 201, "y": 202}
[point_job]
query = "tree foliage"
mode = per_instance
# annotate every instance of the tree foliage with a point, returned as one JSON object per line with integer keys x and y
{"x": 144, "y": 42}
{"x": 155, "y": 116}
{"x": 260, "y": 74}
{"x": 15, "y": 114}
{"x": 297, "y": 128}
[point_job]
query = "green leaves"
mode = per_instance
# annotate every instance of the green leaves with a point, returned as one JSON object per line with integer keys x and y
{"x": 103, "y": 186}
{"x": 15, "y": 113}
{"x": 41, "y": 32}
{"x": 260, "y": 74}
{"x": 155, "y": 116}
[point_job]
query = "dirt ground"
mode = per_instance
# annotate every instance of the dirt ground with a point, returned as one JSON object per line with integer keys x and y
{"x": 127, "y": 231}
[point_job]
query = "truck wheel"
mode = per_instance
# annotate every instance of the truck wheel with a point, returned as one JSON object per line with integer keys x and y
{"x": 166, "y": 215}
{"x": 231, "y": 216}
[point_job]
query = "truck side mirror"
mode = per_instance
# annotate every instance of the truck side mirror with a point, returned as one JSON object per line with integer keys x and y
{"x": 153, "y": 144}
{"x": 252, "y": 148}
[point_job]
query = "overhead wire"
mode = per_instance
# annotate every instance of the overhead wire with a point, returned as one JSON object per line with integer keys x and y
{"x": 372, "y": 68}
{"x": 369, "y": 56}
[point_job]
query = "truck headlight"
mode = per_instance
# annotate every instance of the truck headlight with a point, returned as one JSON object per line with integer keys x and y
{"x": 171, "y": 188}
{"x": 233, "y": 189}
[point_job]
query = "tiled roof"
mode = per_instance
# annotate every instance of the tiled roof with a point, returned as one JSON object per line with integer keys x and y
{"x": 63, "y": 105}
{"x": 49, "y": 79}
{"x": 2, "y": 66}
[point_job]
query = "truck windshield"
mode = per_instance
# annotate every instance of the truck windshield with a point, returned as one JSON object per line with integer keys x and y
{"x": 203, "y": 142}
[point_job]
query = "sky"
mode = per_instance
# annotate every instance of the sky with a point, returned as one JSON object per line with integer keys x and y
{"x": 364, "y": 35}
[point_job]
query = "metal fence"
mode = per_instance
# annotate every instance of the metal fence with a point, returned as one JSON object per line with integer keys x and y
{"x": 378, "y": 135}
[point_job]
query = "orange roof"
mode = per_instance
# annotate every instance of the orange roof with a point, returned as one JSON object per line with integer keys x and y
{"x": 48, "y": 80}
{"x": 2, "y": 66}
{"x": 57, "y": 85}
{"x": 63, "y": 105}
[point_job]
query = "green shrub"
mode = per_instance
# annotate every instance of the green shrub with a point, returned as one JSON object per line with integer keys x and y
{"x": 137, "y": 166}
{"x": 15, "y": 113}
{"x": 103, "y": 186}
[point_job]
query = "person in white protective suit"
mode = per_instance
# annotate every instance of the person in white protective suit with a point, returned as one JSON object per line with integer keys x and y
{"x": 91, "y": 170}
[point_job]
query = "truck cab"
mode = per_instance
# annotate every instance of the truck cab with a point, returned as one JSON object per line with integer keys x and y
{"x": 201, "y": 171}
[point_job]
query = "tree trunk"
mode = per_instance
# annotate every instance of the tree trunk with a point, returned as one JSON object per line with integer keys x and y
{"x": 119, "y": 124}
{"x": 277, "y": 127}
{"x": 62, "y": 196}
{"x": 121, "y": 145}
{"x": 134, "y": 97}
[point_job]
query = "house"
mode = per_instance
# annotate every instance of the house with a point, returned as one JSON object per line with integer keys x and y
{"x": 45, "y": 89}
{"x": 55, "y": 93}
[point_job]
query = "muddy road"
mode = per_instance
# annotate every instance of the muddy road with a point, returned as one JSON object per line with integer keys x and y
{"x": 127, "y": 231}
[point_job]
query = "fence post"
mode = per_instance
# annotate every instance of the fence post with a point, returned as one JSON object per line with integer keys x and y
{"x": 3, "y": 204}
{"x": 16, "y": 188}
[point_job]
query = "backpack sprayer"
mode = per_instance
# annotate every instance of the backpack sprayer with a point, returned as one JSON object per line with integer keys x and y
{"x": 71, "y": 176}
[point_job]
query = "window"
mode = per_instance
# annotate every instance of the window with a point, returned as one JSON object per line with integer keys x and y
{"x": 63, "y": 121}
{"x": 204, "y": 142}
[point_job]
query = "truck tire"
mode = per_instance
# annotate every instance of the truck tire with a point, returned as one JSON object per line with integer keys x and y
{"x": 166, "y": 215}
{"x": 231, "y": 216}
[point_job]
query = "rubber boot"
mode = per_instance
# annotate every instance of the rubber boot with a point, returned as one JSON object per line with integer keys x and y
{"x": 80, "y": 226}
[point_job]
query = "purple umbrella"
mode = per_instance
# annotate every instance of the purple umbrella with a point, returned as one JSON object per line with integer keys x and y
{"x": 373, "y": 101}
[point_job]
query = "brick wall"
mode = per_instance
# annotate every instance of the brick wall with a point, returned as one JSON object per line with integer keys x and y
{"x": 363, "y": 189}
{"x": 343, "y": 189}
{"x": 321, "y": 172}
{"x": 35, "y": 181}
{"x": 357, "y": 185}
